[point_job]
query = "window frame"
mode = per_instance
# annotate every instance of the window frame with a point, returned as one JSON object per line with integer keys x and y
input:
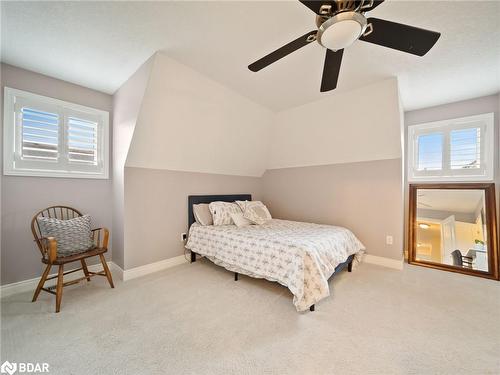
{"x": 446, "y": 173}
{"x": 12, "y": 135}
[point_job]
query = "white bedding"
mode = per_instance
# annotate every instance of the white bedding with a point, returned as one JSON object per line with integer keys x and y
{"x": 300, "y": 256}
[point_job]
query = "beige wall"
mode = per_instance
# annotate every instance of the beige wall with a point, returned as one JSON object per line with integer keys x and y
{"x": 127, "y": 103}
{"x": 189, "y": 122}
{"x": 157, "y": 208}
{"x": 358, "y": 125}
{"x": 364, "y": 197}
{"x": 23, "y": 196}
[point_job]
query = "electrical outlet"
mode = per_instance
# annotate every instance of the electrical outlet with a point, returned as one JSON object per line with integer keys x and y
{"x": 183, "y": 237}
{"x": 389, "y": 240}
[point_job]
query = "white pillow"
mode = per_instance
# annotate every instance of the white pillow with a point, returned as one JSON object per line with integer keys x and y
{"x": 255, "y": 211}
{"x": 202, "y": 214}
{"x": 221, "y": 212}
{"x": 240, "y": 221}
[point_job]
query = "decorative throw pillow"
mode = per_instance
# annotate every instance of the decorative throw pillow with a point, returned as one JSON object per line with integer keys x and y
{"x": 243, "y": 204}
{"x": 202, "y": 214}
{"x": 240, "y": 221}
{"x": 73, "y": 236}
{"x": 221, "y": 212}
{"x": 255, "y": 211}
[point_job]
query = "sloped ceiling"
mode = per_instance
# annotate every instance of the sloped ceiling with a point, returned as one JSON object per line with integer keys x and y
{"x": 101, "y": 44}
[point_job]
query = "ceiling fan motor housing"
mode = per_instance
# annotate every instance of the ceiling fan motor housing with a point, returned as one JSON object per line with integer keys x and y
{"x": 341, "y": 30}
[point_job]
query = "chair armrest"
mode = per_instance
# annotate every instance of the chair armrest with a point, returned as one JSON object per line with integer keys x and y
{"x": 49, "y": 247}
{"x": 101, "y": 237}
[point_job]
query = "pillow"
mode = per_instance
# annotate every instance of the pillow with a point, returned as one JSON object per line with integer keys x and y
{"x": 255, "y": 211}
{"x": 240, "y": 221}
{"x": 73, "y": 236}
{"x": 202, "y": 214}
{"x": 221, "y": 212}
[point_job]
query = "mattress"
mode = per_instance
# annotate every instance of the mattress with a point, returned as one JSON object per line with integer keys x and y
{"x": 300, "y": 256}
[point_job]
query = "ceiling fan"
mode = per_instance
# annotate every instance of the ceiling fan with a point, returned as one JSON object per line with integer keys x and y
{"x": 419, "y": 201}
{"x": 340, "y": 23}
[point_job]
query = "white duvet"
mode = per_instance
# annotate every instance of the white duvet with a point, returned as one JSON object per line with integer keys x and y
{"x": 300, "y": 256}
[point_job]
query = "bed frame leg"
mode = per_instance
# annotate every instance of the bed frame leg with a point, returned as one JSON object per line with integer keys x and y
{"x": 311, "y": 308}
{"x": 236, "y": 276}
{"x": 349, "y": 267}
{"x": 193, "y": 257}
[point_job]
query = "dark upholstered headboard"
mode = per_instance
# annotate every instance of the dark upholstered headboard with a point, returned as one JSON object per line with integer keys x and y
{"x": 196, "y": 199}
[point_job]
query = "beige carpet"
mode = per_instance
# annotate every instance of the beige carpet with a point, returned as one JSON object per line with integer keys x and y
{"x": 194, "y": 319}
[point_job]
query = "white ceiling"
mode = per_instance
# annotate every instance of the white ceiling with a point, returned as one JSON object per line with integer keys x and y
{"x": 464, "y": 201}
{"x": 100, "y": 44}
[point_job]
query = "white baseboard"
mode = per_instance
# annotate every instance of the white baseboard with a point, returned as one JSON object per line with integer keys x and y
{"x": 151, "y": 267}
{"x": 30, "y": 285}
{"x": 383, "y": 261}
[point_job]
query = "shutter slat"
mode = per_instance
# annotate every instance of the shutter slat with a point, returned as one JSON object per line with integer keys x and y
{"x": 35, "y": 129}
{"x": 79, "y": 122}
{"x": 37, "y": 146}
{"x": 80, "y": 139}
{"x": 39, "y": 138}
{"x": 81, "y": 133}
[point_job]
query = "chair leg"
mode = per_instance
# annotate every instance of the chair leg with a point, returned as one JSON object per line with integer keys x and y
{"x": 106, "y": 270}
{"x": 85, "y": 269}
{"x": 41, "y": 282}
{"x": 59, "y": 288}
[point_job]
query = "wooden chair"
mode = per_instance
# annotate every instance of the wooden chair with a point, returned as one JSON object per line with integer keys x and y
{"x": 461, "y": 260}
{"x": 48, "y": 248}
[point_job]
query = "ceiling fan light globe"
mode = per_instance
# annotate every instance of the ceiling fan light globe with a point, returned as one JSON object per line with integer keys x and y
{"x": 341, "y": 30}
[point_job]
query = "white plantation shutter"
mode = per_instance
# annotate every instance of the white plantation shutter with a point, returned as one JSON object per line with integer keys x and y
{"x": 40, "y": 134}
{"x": 452, "y": 150}
{"x": 82, "y": 141}
{"x": 465, "y": 148}
{"x": 50, "y": 137}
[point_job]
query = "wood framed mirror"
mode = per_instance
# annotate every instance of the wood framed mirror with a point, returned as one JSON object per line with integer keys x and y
{"x": 453, "y": 227}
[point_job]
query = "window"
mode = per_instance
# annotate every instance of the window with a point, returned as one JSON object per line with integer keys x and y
{"x": 53, "y": 138}
{"x": 452, "y": 150}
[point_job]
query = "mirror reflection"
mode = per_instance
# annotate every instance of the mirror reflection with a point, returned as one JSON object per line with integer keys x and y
{"x": 451, "y": 229}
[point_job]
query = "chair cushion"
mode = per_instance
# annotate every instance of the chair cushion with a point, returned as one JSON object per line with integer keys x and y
{"x": 73, "y": 236}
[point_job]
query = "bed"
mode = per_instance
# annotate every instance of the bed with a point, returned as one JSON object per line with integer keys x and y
{"x": 300, "y": 256}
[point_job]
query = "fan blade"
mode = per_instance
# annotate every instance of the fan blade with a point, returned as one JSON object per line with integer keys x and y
{"x": 315, "y": 5}
{"x": 401, "y": 37}
{"x": 331, "y": 69}
{"x": 368, "y": 7}
{"x": 283, "y": 51}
